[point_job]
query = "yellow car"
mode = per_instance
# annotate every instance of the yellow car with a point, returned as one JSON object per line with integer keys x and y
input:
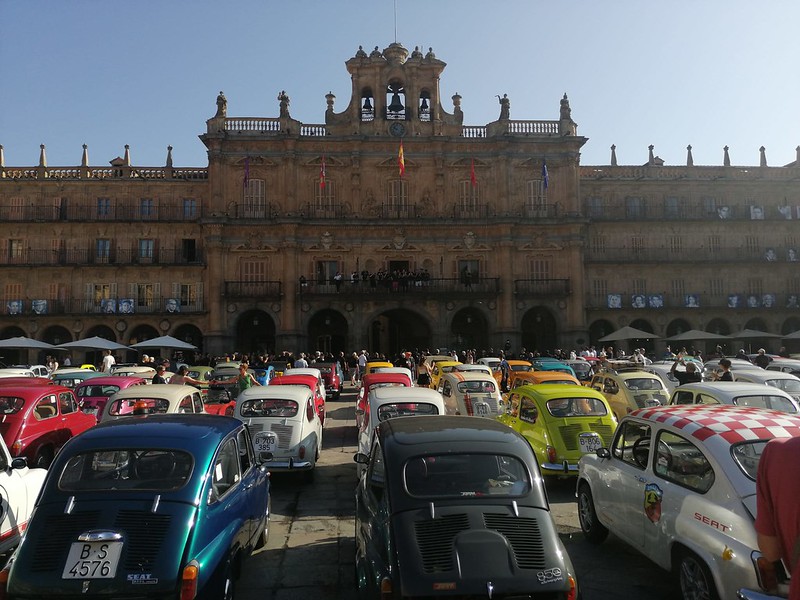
{"x": 561, "y": 423}
{"x": 628, "y": 390}
{"x": 438, "y": 369}
{"x": 376, "y": 364}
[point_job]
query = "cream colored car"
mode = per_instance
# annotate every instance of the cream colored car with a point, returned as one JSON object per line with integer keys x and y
{"x": 470, "y": 393}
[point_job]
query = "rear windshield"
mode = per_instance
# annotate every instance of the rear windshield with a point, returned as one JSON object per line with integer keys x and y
{"x": 576, "y": 407}
{"x": 324, "y": 368}
{"x": 10, "y": 405}
{"x": 125, "y": 406}
{"x": 477, "y": 387}
{"x": 269, "y": 408}
{"x": 644, "y": 383}
{"x": 466, "y": 475}
{"x": 521, "y": 368}
{"x": 766, "y": 401}
{"x": 200, "y": 375}
{"x": 151, "y": 469}
{"x": 406, "y": 409}
{"x": 747, "y": 454}
{"x": 96, "y": 391}
{"x": 387, "y": 384}
{"x": 787, "y": 385}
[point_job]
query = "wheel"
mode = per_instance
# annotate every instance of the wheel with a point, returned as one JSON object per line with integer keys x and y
{"x": 593, "y": 530}
{"x": 695, "y": 578}
{"x": 43, "y": 458}
{"x": 263, "y": 537}
{"x": 228, "y": 584}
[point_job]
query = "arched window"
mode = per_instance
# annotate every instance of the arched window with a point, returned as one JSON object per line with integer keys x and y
{"x": 367, "y": 105}
{"x": 424, "y": 107}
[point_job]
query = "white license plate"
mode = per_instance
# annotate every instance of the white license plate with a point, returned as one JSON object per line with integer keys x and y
{"x": 481, "y": 409}
{"x": 92, "y": 560}
{"x": 265, "y": 443}
{"x": 590, "y": 443}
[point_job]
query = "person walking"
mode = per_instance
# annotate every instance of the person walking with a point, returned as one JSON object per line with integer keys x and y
{"x": 243, "y": 379}
{"x": 182, "y": 378}
{"x": 108, "y": 361}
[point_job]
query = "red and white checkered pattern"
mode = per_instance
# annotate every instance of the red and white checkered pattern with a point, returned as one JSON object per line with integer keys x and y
{"x": 732, "y": 423}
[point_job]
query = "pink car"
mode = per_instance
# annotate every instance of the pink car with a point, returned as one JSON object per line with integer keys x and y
{"x": 94, "y": 393}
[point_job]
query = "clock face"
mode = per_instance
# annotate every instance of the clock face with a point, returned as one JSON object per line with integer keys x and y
{"x": 397, "y": 129}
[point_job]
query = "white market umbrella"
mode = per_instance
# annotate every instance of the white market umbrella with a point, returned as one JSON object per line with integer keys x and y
{"x": 165, "y": 341}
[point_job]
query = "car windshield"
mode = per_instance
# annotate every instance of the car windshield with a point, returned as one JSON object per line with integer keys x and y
{"x": 766, "y": 401}
{"x": 10, "y": 404}
{"x": 125, "y": 406}
{"x": 466, "y": 476}
{"x": 477, "y": 387}
{"x": 576, "y": 407}
{"x": 324, "y": 368}
{"x": 406, "y": 409}
{"x": 644, "y": 383}
{"x": 147, "y": 469}
{"x": 747, "y": 454}
{"x": 201, "y": 375}
{"x": 272, "y": 407}
{"x": 521, "y": 368}
{"x": 96, "y": 391}
{"x": 787, "y": 385}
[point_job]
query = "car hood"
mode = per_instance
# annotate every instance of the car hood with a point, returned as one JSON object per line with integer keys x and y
{"x": 154, "y": 537}
{"x": 466, "y": 550}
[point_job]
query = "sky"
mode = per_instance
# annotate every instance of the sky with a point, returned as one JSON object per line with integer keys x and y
{"x": 709, "y": 73}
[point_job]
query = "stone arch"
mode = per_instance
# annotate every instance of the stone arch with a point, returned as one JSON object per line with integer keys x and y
{"x": 18, "y": 356}
{"x": 142, "y": 333}
{"x": 677, "y": 326}
{"x": 648, "y": 345}
{"x": 190, "y": 334}
{"x": 328, "y": 331}
{"x": 56, "y": 334}
{"x": 255, "y": 333}
{"x": 396, "y": 329}
{"x": 103, "y": 331}
{"x": 790, "y": 325}
{"x": 539, "y": 330}
{"x": 469, "y": 329}
{"x": 600, "y": 329}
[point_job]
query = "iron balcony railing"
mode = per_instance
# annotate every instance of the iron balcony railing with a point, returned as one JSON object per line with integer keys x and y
{"x": 550, "y": 288}
{"x": 401, "y": 285}
{"x": 253, "y": 289}
{"x": 114, "y": 256}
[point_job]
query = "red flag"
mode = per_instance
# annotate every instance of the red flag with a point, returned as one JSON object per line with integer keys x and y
{"x": 246, "y": 172}
{"x": 322, "y": 174}
{"x": 472, "y": 179}
{"x": 401, "y": 160}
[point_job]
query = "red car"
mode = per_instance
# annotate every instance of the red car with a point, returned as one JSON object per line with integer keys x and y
{"x": 310, "y": 382}
{"x": 94, "y": 393}
{"x": 38, "y": 419}
{"x": 332, "y": 377}
{"x": 373, "y": 380}
{"x": 219, "y": 400}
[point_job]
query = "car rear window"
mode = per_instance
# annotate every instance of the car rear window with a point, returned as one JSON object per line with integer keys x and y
{"x": 122, "y": 407}
{"x": 269, "y": 408}
{"x": 406, "y": 409}
{"x": 96, "y": 391}
{"x": 766, "y": 401}
{"x": 10, "y": 405}
{"x": 644, "y": 383}
{"x": 576, "y": 407}
{"x": 746, "y": 456}
{"x": 324, "y": 369}
{"x": 787, "y": 385}
{"x": 522, "y": 368}
{"x": 466, "y": 475}
{"x": 477, "y": 387}
{"x": 150, "y": 469}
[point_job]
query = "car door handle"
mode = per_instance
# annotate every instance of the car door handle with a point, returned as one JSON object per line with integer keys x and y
{"x": 640, "y": 479}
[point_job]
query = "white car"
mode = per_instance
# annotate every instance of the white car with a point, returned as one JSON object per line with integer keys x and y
{"x": 778, "y": 379}
{"x": 679, "y": 485}
{"x": 736, "y": 393}
{"x": 786, "y": 365}
{"x": 153, "y": 399}
{"x": 288, "y": 411}
{"x": 390, "y": 402}
{"x": 20, "y": 487}
{"x": 402, "y": 370}
{"x": 493, "y": 362}
{"x": 468, "y": 368}
{"x": 471, "y": 393}
{"x": 310, "y": 371}
{"x": 38, "y": 370}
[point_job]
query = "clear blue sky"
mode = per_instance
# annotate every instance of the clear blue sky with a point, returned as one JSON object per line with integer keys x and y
{"x": 147, "y": 72}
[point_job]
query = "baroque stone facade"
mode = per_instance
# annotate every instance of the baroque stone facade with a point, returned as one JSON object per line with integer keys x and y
{"x": 442, "y": 234}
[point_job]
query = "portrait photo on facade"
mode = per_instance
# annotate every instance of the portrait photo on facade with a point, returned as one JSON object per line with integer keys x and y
{"x": 638, "y": 301}
{"x": 614, "y": 301}
{"x": 655, "y": 301}
{"x": 733, "y": 301}
{"x": 173, "y": 305}
{"x": 39, "y": 306}
{"x": 14, "y": 307}
{"x": 692, "y": 301}
{"x": 108, "y": 305}
{"x": 126, "y": 306}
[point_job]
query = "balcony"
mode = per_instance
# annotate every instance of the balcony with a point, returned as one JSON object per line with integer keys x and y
{"x": 693, "y": 255}
{"x": 542, "y": 288}
{"x": 417, "y": 287}
{"x": 258, "y": 290}
{"x": 754, "y": 303}
{"x": 109, "y": 306}
{"x": 115, "y": 257}
{"x": 92, "y": 211}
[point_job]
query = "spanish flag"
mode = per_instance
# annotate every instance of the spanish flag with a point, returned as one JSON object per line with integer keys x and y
{"x": 322, "y": 174}
{"x": 401, "y": 161}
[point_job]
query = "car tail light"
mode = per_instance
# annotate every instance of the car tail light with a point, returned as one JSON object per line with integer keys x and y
{"x": 302, "y": 452}
{"x": 189, "y": 581}
{"x": 468, "y": 404}
{"x": 572, "y": 594}
{"x": 229, "y": 411}
{"x": 4, "y": 582}
{"x": 16, "y": 448}
{"x": 551, "y": 454}
{"x": 765, "y": 571}
{"x": 386, "y": 588}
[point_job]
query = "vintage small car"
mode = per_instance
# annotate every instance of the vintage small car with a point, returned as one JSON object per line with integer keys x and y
{"x": 514, "y": 366}
{"x": 390, "y": 402}
{"x": 470, "y": 393}
{"x": 402, "y": 370}
{"x": 626, "y": 390}
{"x": 161, "y": 506}
{"x": 778, "y": 379}
{"x": 376, "y": 380}
{"x": 72, "y": 377}
{"x": 20, "y": 486}
{"x": 288, "y": 412}
{"x": 561, "y": 423}
{"x": 201, "y": 373}
{"x": 454, "y": 507}
{"x": 316, "y": 373}
{"x": 94, "y": 393}
{"x": 678, "y": 484}
{"x": 37, "y": 420}
{"x": 142, "y": 371}
{"x": 438, "y": 369}
{"x": 539, "y": 377}
{"x": 333, "y": 377}
{"x": 164, "y": 398}
{"x": 737, "y": 393}
{"x": 305, "y": 380}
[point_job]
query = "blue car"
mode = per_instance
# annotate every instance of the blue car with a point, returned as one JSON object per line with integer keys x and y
{"x": 159, "y": 506}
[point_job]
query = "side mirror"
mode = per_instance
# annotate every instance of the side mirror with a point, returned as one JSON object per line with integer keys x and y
{"x": 603, "y": 453}
{"x": 360, "y": 412}
{"x": 361, "y": 458}
{"x": 21, "y": 462}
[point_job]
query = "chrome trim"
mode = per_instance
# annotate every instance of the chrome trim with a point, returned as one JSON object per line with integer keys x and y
{"x": 100, "y": 535}
{"x": 70, "y": 505}
{"x": 156, "y": 502}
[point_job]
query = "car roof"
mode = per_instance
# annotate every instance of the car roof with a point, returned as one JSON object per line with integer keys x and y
{"x": 168, "y": 391}
{"x": 144, "y": 428}
{"x": 405, "y": 394}
{"x": 634, "y": 374}
{"x": 470, "y": 376}
{"x": 384, "y": 377}
{"x": 765, "y": 375}
{"x": 732, "y": 424}
{"x": 111, "y": 380}
{"x": 432, "y": 433}
{"x": 25, "y": 390}
{"x": 559, "y": 390}
{"x": 304, "y": 371}
{"x": 728, "y": 387}
{"x": 296, "y": 379}
{"x": 297, "y": 393}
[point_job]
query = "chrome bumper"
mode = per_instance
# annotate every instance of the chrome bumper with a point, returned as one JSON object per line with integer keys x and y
{"x": 289, "y": 465}
{"x": 562, "y": 468}
{"x": 745, "y": 594}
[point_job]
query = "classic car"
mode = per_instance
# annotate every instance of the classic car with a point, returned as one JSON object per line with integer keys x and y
{"x": 164, "y": 398}
{"x": 711, "y": 367}
{"x": 402, "y": 370}
{"x": 778, "y": 379}
{"x": 17, "y": 372}
{"x": 94, "y": 393}
{"x": 372, "y": 365}
{"x": 785, "y": 365}
{"x": 455, "y": 507}
{"x": 583, "y": 369}
{"x": 37, "y": 420}
{"x": 470, "y": 393}
{"x": 201, "y": 373}
{"x": 219, "y": 400}
{"x": 287, "y": 411}
{"x": 734, "y": 392}
{"x": 514, "y": 366}
{"x": 37, "y": 370}
{"x": 24, "y": 380}
{"x": 552, "y": 364}
{"x": 627, "y": 390}
{"x": 134, "y": 371}
{"x": 538, "y": 377}
{"x": 376, "y": 380}
{"x": 279, "y": 367}
{"x": 678, "y": 484}
{"x": 493, "y": 362}
{"x": 309, "y": 381}
{"x": 72, "y": 377}
{"x": 333, "y": 376}
{"x": 20, "y": 486}
{"x": 316, "y": 373}
{"x": 164, "y": 506}
{"x": 438, "y": 369}
{"x": 561, "y": 423}
{"x": 390, "y": 402}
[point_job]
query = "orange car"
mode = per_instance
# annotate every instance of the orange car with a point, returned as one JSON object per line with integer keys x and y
{"x": 515, "y": 366}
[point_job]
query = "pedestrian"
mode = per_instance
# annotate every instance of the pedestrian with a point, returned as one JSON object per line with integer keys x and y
{"x": 725, "y": 370}
{"x": 108, "y": 361}
{"x": 690, "y": 375}
{"x": 778, "y": 511}
{"x": 182, "y": 377}
{"x": 159, "y": 376}
{"x": 352, "y": 365}
{"x": 761, "y": 359}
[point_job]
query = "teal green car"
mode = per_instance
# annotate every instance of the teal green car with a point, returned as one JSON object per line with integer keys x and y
{"x": 560, "y": 422}
{"x": 160, "y": 506}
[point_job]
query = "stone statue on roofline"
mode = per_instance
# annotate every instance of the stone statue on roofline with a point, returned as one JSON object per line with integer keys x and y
{"x": 283, "y": 99}
{"x": 222, "y": 106}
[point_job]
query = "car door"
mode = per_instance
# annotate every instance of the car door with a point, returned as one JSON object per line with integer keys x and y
{"x": 372, "y": 514}
{"x": 255, "y": 499}
{"x": 227, "y": 502}
{"x": 73, "y": 421}
{"x": 14, "y": 502}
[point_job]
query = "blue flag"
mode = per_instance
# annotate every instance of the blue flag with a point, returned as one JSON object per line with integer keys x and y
{"x": 545, "y": 178}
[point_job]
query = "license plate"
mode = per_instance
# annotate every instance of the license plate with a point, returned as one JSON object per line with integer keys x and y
{"x": 481, "y": 409}
{"x": 265, "y": 442}
{"x": 590, "y": 442}
{"x": 92, "y": 560}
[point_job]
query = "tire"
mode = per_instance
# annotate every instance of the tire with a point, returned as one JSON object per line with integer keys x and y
{"x": 43, "y": 458}
{"x": 694, "y": 578}
{"x": 593, "y": 530}
{"x": 227, "y": 581}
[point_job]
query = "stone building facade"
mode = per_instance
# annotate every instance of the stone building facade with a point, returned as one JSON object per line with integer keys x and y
{"x": 492, "y": 235}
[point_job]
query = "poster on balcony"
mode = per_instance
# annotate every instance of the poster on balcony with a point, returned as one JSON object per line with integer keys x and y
{"x": 785, "y": 212}
{"x": 172, "y": 305}
{"x": 733, "y": 300}
{"x": 39, "y": 306}
{"x": 756, "y": 212}
{"x": 108, "y": 305}
{"x": 14, "y": 307}
{"x": 768, "y": 300}
{"x": 655, "y": 301}
{"x": 692, "y": 301}
{"x": 126, "y": 306}
{"x": 638, "y": 301}
{"x": 614, "y": 300}
{"x": 791, "y": 301}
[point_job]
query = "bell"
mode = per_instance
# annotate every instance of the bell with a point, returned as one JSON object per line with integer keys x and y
{"x": 367, "y": 104}
{"x": 396, "y": 106}
{"x": 424, "y": 105}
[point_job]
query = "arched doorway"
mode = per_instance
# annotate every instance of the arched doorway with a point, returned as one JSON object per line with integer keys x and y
{"x": 599, "y": 329}
{"x": 191, "y": 335}
{"x": 398, "y": 329}
{"x": 469, "y": 329}
{"x": 327, "y": 332}
{"x": 539, "y": 331}
{"x": 648, "y": 345}
{"x": 255, "y": 333}
{"x": 17, "y": 356}
{"x": 677, "y": 327}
